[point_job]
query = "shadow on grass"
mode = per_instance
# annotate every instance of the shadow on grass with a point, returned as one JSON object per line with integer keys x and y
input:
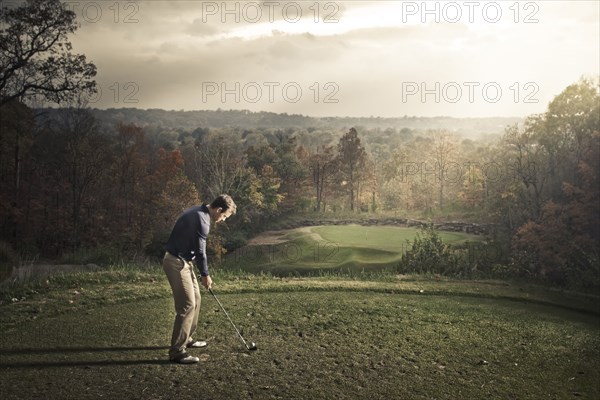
{"x": 66, "y": 363}
{"x": 105, "y": 363}
{"x": 80, "y": 349}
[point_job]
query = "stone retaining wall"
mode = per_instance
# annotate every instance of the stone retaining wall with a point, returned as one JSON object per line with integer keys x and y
{"x": 452, "y": 226}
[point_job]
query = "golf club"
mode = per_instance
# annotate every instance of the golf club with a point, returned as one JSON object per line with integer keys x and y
{"x": 252, "y": 345}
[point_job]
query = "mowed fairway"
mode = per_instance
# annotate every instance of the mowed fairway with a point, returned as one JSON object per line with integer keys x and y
{"x": 331, "y": 248}
{"x": 341, "y": 344}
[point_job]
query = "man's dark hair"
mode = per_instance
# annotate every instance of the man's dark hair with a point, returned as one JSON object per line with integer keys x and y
{"x": 225, "y": 202}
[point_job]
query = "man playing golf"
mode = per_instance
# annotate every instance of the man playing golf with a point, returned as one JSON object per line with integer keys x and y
{"x": 187, "y": 243}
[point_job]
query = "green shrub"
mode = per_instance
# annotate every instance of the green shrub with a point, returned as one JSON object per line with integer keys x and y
{"x": 427, "y": 254}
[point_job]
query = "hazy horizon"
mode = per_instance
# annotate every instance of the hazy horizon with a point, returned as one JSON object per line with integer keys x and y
{"x": 91, "y": 106}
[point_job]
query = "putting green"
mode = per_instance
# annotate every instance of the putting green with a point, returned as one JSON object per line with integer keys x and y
{"x": 330, "y": 248}
{"x": 388, "y": 238}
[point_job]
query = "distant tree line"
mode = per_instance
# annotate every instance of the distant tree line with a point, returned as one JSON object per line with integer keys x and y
{"x": 185, "y": 121}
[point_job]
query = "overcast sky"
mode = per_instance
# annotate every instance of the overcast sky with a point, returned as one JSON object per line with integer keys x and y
{"x": 339, "y": 58}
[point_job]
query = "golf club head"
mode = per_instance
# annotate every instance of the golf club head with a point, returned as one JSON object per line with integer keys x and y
{"x": 252, "y": 346}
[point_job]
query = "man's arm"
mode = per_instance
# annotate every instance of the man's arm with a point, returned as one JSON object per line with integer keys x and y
{"x": 201, "y": 259}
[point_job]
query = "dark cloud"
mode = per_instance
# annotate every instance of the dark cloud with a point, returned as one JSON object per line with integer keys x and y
{"x": 174, "y": 49}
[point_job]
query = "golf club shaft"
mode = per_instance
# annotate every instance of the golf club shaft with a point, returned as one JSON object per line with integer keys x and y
{"x": 227, "y": 315}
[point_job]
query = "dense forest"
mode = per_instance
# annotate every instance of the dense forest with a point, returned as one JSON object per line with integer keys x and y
{"x": 71, "y": 180}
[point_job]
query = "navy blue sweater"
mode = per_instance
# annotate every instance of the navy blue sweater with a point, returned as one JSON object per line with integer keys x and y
{"x": 188, "y": 238}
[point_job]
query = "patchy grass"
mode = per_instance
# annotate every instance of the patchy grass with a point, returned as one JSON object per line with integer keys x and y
{"x": 105, "y": 334}
{"x": 65, "y": 293}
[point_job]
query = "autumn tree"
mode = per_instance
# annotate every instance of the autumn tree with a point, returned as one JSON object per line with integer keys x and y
{"x": 81, "y": 157}
{"x": 559, "y": 241}
{"x": 397, "y": 179}
{"x": 16, "y": 125}
{"x": 171, "y": 191}
{"x": 472, "y": 186}
{"x": 258, "y": 157}
{"x": 447, "y": 171}
{"x": 36, "y": 61}
{"x": 422, "y": 174}
{"x": 127, "y": 190}
{"x": 323, "y": 168}
{"x": 221, "y": 166}
{"x": 380, "y": 153}
{"x": 351, "y": 161}
{"x": 301, "y": 179}
{"x": 62, "y": 170}
{"x": 291, "y": 166}
{"x": 161, "y": 192}
{"x": 224, "y": 169}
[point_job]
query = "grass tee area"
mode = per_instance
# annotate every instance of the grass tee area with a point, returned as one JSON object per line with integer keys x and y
{"x": 105, "y": 334}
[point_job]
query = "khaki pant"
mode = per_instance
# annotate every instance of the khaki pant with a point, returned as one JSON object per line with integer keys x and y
{"x": 186, "y": 294}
